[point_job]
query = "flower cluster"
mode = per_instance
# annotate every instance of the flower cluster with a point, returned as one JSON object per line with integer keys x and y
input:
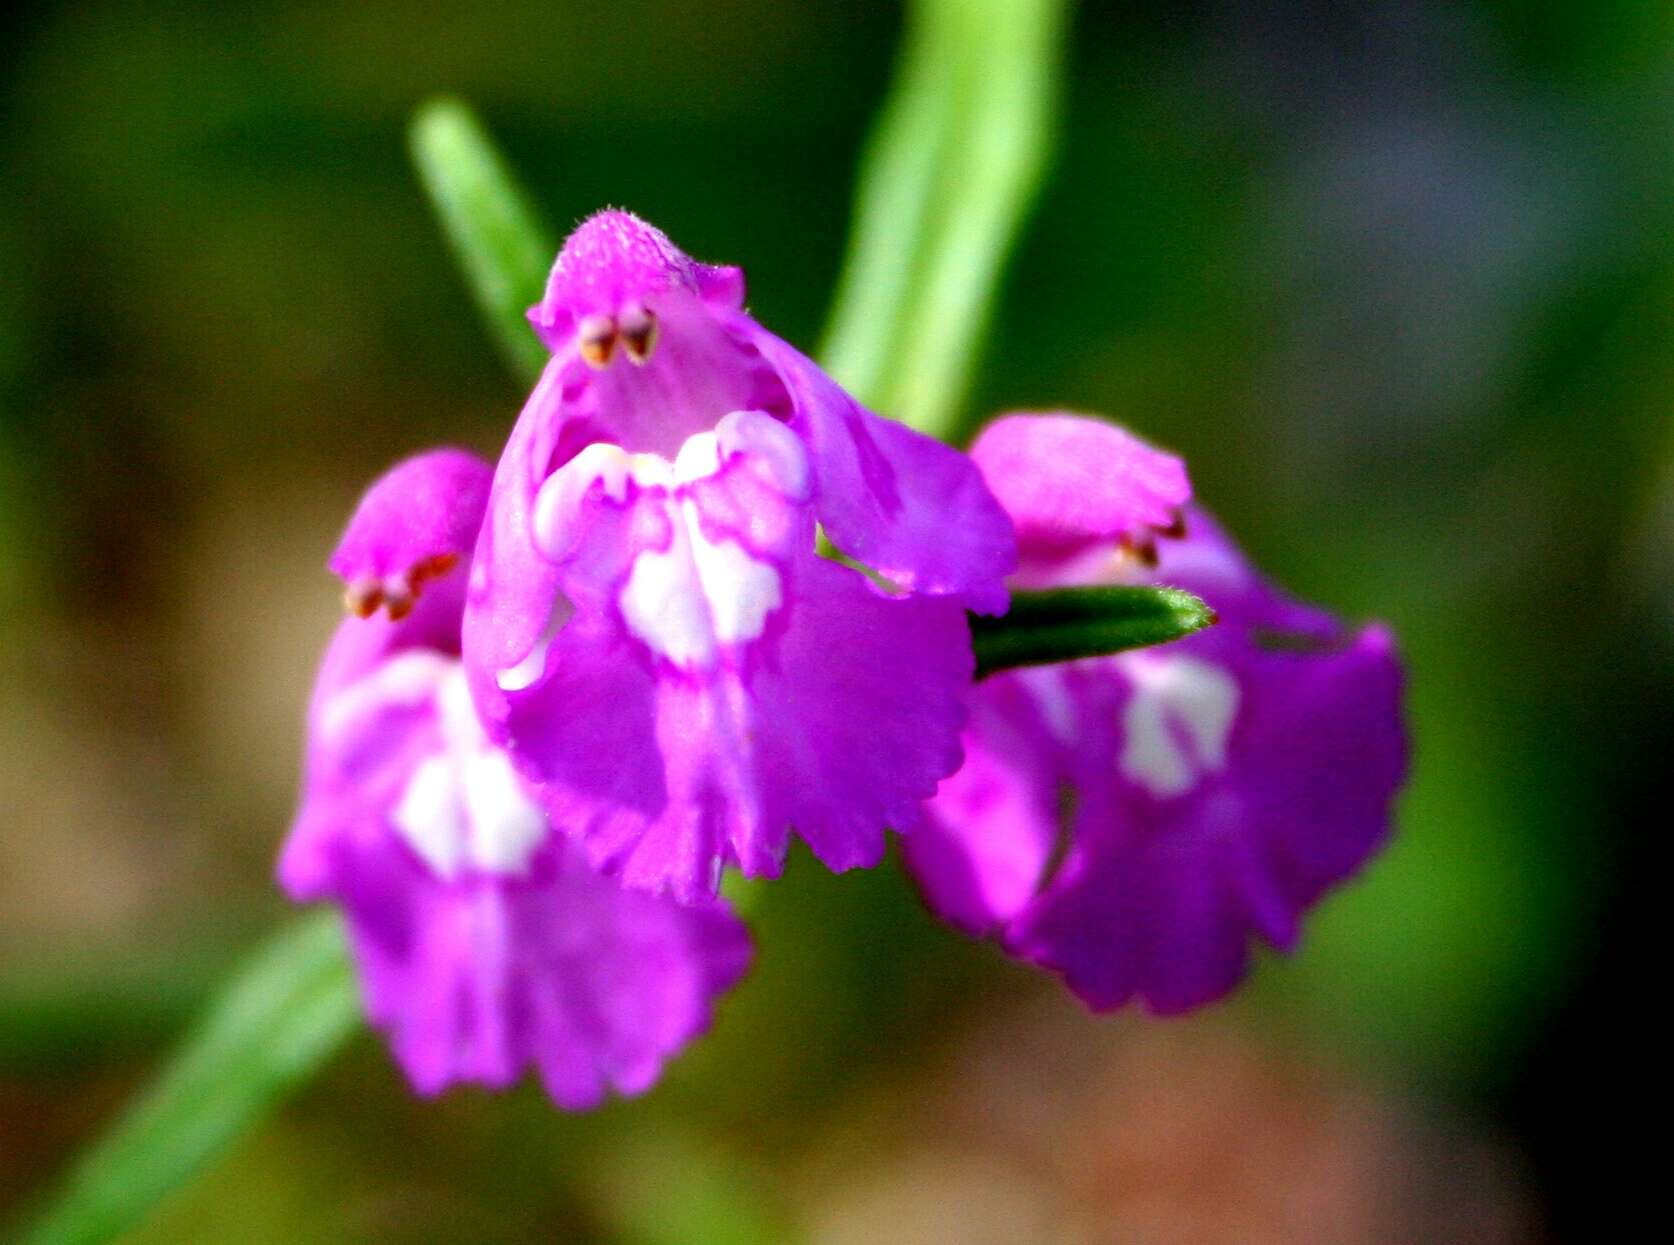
{"x": 1129, "y": 821}
{"x": 575, "y": 688}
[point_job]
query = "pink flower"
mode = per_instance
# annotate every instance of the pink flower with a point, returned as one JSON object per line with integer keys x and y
{"x": 1131, "y": 821}
{"x": 486, "y": 943}
{"x": 651, "y": 631}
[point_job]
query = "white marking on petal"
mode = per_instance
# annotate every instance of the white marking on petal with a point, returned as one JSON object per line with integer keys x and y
{"x": 430, "y": 815}
{"x": 465, "y": 804}
{"x": 522, "y": 676}
{"x": 698, "y": 458}
{"x": 562, "y": 493}
{"x": 663, "y": 604}
{"x": 405, "y": 680}
{"x": 528, "y": 670}
{"x": 778, "y": 452}
{"x": 457, "y": 713}
{"x": 506, "y": 825}
{"x": 741, "y": 590}
{"x": 1176, "y": 723}
{"x": 1045, "y": 684}
{"x": 687, "y": 599}
{"x": 693, "y": 596}
{"x": 652, "y": 471}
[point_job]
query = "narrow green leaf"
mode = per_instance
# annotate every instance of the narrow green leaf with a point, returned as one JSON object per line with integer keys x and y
{"x": 494, "y": 232}
{"x": 282, "y": 1014}
{"x": 945, "y": 184}
{"x": 1067, "y": 623}
{"x": 891, "y": 227}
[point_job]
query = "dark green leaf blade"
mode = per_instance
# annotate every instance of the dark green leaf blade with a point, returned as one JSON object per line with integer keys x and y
{"x": 1066, "y": 623}
{"x": 495, "y": 234}
{"x": 282, "y": 1014}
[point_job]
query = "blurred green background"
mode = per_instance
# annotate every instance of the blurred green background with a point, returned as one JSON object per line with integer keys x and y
{"x": 1396, "y": 276}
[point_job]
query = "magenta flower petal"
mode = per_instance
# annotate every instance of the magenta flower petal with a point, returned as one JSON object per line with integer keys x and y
{"x": 613, "y": 260}
{"x": 648, "y": 576}
{"x": 742, "y": 755}
{"x": 857, "y": 743}
{"x": 561, "y": 971}
{"x": 1070, "y": 481}
{"x": 486, "y": 943}
{"x": 514, "y": 607}
{"x": 689, "y": 712}
{"x": 385, "y": 539}
{"x": 911, "y": 508}
{"x": 1006, "y": 792}
{"x": 413, "y": 525}
{"x": 1221, "y": 784}
{"x": 1245, "y": 783}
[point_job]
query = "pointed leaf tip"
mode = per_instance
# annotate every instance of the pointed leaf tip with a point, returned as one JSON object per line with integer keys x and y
{"x": 1065, "y": 624}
